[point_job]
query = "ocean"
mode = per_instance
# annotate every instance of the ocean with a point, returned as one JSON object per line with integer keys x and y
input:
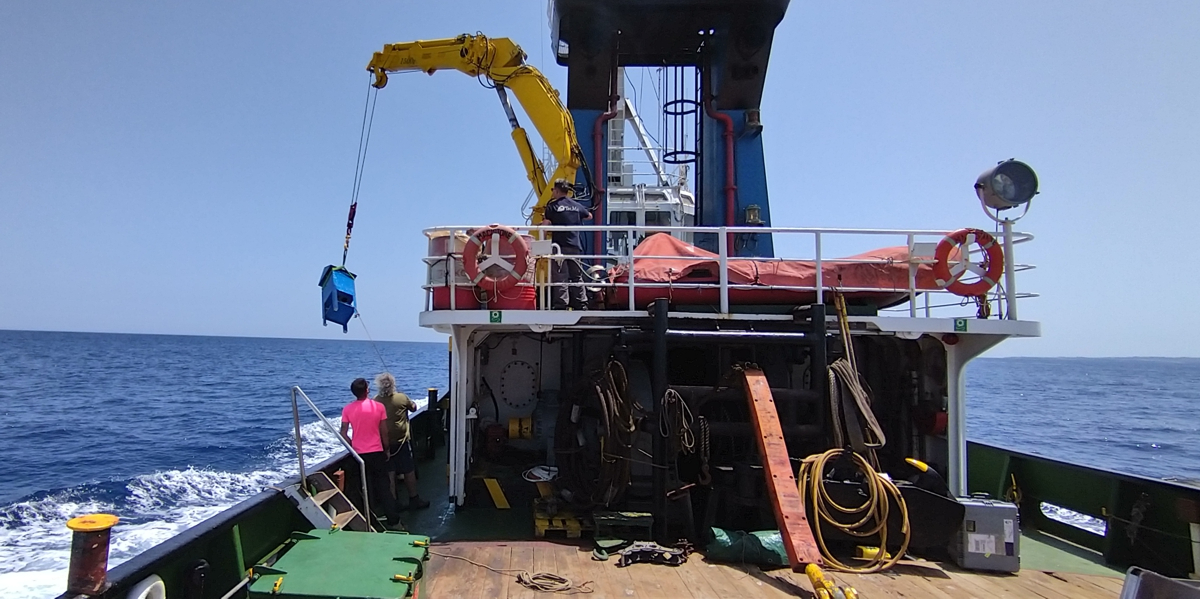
{"x": 167, "y": 431}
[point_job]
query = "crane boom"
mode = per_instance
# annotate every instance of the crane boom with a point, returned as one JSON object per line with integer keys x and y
{"x": 500, "y": 63}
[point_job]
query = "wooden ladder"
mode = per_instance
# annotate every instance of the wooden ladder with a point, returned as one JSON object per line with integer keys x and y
{"x": 793, "y": 524}
{"x": 325, "y": 506}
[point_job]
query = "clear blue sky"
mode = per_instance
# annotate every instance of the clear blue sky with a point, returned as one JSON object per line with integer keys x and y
{"x": 186, "y": 168}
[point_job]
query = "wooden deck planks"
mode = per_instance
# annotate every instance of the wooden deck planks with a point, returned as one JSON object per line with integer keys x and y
{"x": 569, "y": 560}
{"x": 494, "y": 585}
{"x": 701, "y": 579}
{"x": 447, "y": 577}
{"x": 655, "y": 582}
{"x": 521, "y": 558}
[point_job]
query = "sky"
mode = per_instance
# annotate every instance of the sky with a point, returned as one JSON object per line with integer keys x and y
{"x": 186, "y": 168}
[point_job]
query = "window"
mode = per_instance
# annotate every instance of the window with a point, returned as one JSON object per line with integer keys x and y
{"x": 658, "y": 219}
{"x": 621, "y": 217}
{"x": 618, "y": 240}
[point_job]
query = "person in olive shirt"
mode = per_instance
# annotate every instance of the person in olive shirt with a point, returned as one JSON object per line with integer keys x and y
{"x": 562, "y": 210}
{"x": 399, "y": 442}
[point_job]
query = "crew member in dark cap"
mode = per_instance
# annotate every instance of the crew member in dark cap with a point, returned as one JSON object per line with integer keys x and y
{"x": 562, "y": 210}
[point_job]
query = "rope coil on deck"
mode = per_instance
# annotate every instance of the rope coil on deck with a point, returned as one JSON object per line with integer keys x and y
{"x": 542, "y": 582}
{"x": 872, "y": 514}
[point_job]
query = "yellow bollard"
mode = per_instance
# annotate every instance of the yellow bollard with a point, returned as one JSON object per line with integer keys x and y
{"x": 88, "y": 572}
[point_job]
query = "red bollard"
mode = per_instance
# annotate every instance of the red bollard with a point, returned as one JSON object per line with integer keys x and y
{"x": 88, "y": 573}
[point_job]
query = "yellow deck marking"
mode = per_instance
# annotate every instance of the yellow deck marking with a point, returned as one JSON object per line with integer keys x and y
{"x": 497, "y": 493}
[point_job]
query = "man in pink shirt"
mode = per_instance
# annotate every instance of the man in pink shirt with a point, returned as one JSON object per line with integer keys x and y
{"x": 366, "y": 421}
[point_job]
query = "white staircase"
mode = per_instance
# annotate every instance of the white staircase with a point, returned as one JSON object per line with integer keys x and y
{"x": 325, "y": 506}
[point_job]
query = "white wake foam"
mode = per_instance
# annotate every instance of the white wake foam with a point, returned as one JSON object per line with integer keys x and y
{"x": 35, "y": 543}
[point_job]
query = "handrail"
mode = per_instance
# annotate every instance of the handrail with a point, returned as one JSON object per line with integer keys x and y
{"x": 1148, "y": 522}
{"x": 1018, "y": 237}
{"x": 622, "y": 255}
{"x": 362, "y": 468}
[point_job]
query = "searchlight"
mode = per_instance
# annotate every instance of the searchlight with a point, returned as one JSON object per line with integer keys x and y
{"x": 1009, "y": 184}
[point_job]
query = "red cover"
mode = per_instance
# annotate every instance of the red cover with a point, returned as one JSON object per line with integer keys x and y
{"x": 888, "y": 283}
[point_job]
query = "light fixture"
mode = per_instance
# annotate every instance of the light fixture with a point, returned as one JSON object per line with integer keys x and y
{"x": 1009, "y": 184}
{"x": 754, "y": 215}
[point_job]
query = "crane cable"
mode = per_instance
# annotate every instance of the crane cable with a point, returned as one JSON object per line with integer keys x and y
{"x": 872, "y": 514}
{"x": 364, "y": 142}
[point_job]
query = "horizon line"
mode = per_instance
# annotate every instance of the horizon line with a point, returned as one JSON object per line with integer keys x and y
{"x": 219, "y": 336}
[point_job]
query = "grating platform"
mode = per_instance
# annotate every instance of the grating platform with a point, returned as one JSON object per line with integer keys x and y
{"x": 346, "y": 564}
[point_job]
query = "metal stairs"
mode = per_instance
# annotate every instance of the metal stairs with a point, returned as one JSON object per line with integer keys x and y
{"x": 325, "y": 506}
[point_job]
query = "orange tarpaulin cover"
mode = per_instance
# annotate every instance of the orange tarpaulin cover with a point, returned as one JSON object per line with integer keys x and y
{"x": 654, "y": 262}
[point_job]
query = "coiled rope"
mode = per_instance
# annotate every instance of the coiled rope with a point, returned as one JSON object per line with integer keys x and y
{"x": 676, "y": 424}
{"x": 612, "y": 391}
{"x": 872, "y": 515}
{"x": 543, "y": 582}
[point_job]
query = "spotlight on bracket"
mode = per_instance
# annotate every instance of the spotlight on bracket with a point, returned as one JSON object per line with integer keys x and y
{"x": 1009, "y": 184}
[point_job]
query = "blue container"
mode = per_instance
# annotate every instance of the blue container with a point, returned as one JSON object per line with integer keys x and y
{"x": 337, "y": 296}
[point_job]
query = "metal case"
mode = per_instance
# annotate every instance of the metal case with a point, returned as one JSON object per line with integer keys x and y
{"x": 990, "y": 536}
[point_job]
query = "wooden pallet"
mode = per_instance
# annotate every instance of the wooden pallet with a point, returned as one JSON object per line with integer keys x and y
{"x": 565, "y": 522}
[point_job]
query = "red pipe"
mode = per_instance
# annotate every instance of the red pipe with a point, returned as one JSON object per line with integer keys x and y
{"x": 598, "y": 173}
{"x": 730, "y": 187}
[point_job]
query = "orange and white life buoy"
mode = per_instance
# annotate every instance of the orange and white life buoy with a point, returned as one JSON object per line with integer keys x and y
{"x": 477, "y": 263}
{"x": 948, "y": 273}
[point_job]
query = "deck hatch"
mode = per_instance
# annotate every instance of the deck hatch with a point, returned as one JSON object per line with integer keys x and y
{"x": 347, "y": 564}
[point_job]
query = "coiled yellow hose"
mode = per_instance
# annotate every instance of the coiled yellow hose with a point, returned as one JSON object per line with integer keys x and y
{"x": 872, "y": 515}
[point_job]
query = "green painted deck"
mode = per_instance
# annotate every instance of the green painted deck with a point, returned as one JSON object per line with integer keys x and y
{"x": 1043, "y": 552}
{"x": 478, "y": 520}
{"x": 342, "y": 563}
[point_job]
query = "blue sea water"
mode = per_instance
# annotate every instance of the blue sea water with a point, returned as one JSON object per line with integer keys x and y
{"x": 167, "y": 431}
{"x": 1133, "y": 415}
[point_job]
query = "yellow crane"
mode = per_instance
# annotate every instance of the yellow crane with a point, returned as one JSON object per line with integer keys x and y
{"x": 499, "y": 63}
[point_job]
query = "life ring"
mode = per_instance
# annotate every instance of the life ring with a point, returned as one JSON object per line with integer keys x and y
{"x": 150, "y": 588}
{"x": 949, "y": 276}
{"x": 477, "y": 270}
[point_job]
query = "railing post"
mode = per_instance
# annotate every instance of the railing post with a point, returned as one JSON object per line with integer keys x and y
{"x": 629, "y": 254}
{"x": 1010, "y": 277}
{"x": 820, "y": 269}
{"x": 452, "y": 274}
{"x": 912, "y": 278}
{"x": 299, "y": 445}
{"x": 723, "y": 259}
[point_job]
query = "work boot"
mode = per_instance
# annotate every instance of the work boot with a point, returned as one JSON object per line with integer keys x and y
{"x": 416, "y": 503}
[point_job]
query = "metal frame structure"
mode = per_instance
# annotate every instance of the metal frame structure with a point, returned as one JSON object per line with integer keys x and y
{"x": 964, "y": 337}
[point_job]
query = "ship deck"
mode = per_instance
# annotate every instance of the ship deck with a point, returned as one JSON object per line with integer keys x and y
{"x": 698, "y": 578}
{"x": 503, "y": 540}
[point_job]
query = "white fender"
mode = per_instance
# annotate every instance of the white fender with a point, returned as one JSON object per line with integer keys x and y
{"x": 151, "y": 588}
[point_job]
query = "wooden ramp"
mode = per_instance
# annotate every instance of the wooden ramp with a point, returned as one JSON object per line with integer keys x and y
{"x": 698, "y": 579}
{"x": 797, "y": 535}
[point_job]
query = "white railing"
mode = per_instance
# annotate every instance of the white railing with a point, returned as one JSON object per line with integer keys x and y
{"x": 362, "y": 468}
{"x": 919, "y": 244}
